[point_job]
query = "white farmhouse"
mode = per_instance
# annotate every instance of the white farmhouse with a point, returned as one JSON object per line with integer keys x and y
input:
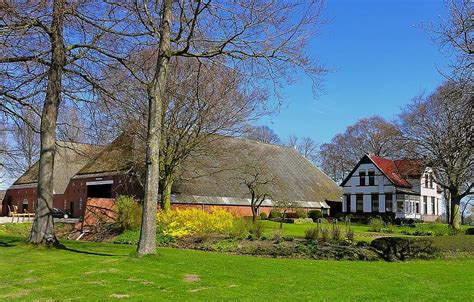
{"x": 379, "y": 185}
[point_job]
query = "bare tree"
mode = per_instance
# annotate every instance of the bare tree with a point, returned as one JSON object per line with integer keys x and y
{"x": 292, "y": 141}
{"x": 373, "y": 135}
{"x": 42, "y": 69}
{"x": 265, "y": 41}
{"x": 262, "y": 134}
{"x": 455, "y": 36}
{"x": 309, "y": 149}
{"x": 441, "y": 127}
{"x": 258, "y": 180}
{"x": 466, "y": 208}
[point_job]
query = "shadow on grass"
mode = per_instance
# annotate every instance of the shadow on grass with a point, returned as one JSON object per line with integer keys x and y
{"x": 65, "y": 248}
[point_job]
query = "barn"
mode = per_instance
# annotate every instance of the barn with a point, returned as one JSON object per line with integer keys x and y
{"x": 207, "y": 178}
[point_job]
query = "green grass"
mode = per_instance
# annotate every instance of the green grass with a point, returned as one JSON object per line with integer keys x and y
{"x": 87, "y": 271}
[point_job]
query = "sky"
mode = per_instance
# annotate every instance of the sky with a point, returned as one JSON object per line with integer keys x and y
{"x": 379, "y": 60}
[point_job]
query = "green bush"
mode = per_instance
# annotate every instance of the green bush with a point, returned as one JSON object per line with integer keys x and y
{"x": 325, "y": 236}
{"x": 376, "y": 224}
{"x": 350, "y": 235}
{"x": 129, "y": 213}
{"x": 275, "y": 214}
{"x": 470, "y": 231}
{"x": 336, "y": 233}
{"x": 263, "y": 216}
{"x": 257, "y": 229}
{"x": 311, "y": 233}
{"x": 240, "y": 228}
{"x": 315, "y": 215}
{"x": 301, "y": 213}
{"x": 276, "y": 235}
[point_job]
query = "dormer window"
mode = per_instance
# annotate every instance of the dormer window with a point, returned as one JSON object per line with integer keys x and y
{"x": 426, "y": 180}
{"x": 371, "y": 178}
{"x": 362, "y": 178}
{"x": 431, "y": 181}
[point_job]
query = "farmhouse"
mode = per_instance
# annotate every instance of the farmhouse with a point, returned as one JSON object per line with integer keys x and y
{"x": 378, "y": 185}
{"x": 210, "y": 178}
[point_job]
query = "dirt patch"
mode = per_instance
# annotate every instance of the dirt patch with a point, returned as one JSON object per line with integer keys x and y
{"x": 29, "y": 280}
{"x": 142, "y": 281}
{"x": 119, "y": 296}
{"x": 110, "y": 270}
{"x": 190, "y": 278}
{"x": 197, "y": 289}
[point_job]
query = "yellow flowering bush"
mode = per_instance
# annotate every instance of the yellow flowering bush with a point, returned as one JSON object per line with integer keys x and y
{"x": 195, "y": 222}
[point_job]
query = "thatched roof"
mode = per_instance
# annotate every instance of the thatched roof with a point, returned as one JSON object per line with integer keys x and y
{"x": 220, "y": 172}
{"x": 70, "y": 158}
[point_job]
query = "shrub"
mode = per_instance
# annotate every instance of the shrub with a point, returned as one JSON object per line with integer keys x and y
{"x": 276, "y": 235}
{"x": 293, "y": 215}
{"x": 263, "y": 216}
{"x": 275, "y": 214}
{"x": 315, "y": 215}
{"x": 336, "y": 233}
{"x": 129, "y": 213}
{"x": 376, "y": 224}
{"x": 194, "y": 222}
{"x": 392, "y": 248}
{"x": 256, "y": 229}
{"x": 303, "y": 221}
{"x": 350, "y": 235}
{"x": 301, "y": 213}
{"x": 390, "y": 228}
{"x": 240, "y": 228}
{"x": 470, "y": 231}
{"x": 311, "y": 233}
{"x": 325, "y": 236}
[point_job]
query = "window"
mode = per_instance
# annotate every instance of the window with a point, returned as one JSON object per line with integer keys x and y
{"x": 417, "y": 207}
{"x": 426, "y": 180}
{"x": 348, "y": 203}
{"x": 425, "y": 205}
{"x": 362, "y": 178}
{"x": 371, "y": 178}
{"x": 433, "y": 205}
{"x": 359, "y": 202}
{"x": 400, "y": 206}
{"x": 431, "y": 181}
{"x": 375, "y": 202}
{"x": 388, "y": 202}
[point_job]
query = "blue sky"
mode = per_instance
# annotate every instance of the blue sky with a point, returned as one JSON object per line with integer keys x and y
{"x": 380, "y": 61}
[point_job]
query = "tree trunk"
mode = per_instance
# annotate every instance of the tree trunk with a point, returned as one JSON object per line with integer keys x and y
{"x": 42, "y": 231}
{"x": 166, "y": 195}
{"x": 455, "y": 210}
{"x": 156, "y": 89}
{"x": 254, "y": 213}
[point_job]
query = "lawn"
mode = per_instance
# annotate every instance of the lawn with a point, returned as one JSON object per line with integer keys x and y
{"x": 96, "y": 271}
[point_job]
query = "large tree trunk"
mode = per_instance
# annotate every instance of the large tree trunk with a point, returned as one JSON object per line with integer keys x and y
{"x": 147, "y": 242}
{"x": 42, "y": 231}
{"x": 455, "y": 210}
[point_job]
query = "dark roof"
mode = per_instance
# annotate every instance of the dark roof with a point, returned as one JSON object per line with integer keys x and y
{"x": 219, "y": 174}
{"x": 397, "y": 171}
{"x": 70, "y": 158}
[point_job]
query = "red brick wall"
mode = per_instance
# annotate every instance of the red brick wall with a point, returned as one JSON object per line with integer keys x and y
{"x": 73, "y": 199}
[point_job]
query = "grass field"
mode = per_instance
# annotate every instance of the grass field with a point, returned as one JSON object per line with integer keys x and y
{"x": 96, "y": 271}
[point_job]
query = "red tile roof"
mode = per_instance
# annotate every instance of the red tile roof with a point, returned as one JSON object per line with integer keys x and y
{"x": 399, "y": 170}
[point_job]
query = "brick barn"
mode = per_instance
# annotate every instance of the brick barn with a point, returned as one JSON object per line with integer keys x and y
{"x": 210, "y": 178}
